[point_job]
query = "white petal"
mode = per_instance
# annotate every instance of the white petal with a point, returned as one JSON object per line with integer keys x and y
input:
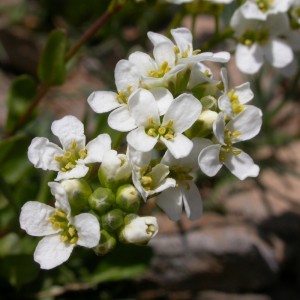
{"x": 42, "y": 154}
{"x": 191, "y": 200}
{"x": 126, "y": 75}
{"x": 88, "y": 230}
{"x": 183, "y": 112}
{"x": 68, "y": 129}
{"x": 209, "y": 161}
{"x": 97, "y": 147}
{"x": 244, "y": 92}
{"x": 170, "y": 201}
{"x": 165, "y": 184}
{"x": 183, "y": 38}
{"x": 219, "y": 127}
{"x": 278, "y": 53}
{"x": 143, "y": 62}
{"x": 120, "y": 119}
{"x": 138, "y": 158}
{"x": 190, "y": 161}
{"x": 224, "y": 78}
{"x": 247, "y": 123}
{"x": 282, "y": 6}
{"x": 142, "y": 107}
{"x": 60, "y": 196}
{"x": 157, "y": 38}
{"x": 103, "y": 101}
{"x": 52, "y": 252}
{"x": 79, "y": 171}
{"x": 164, "y": 52}
{"x": 225, "y": 105}
{"x": 249, "y": 59}
{"x": 180, "y": 146}
{"x": 242, "y": 165}
{"x": 163, "y": 99}
{"x": 196, "y": 58}
{"x": 34, "y": 218}
{"x": 250, "y": 10}
{"x": 139, "y": 140}
{"x": 221, "y": 57}
{"x": 159, "y": 173}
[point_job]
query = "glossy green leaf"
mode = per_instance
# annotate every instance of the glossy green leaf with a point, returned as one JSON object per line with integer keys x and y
{"x": 52, "y": 69}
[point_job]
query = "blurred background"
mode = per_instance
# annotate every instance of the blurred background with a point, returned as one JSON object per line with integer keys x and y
{"x": 247, "y": 244}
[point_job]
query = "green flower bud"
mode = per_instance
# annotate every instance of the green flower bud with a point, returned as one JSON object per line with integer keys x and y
{"x": 203, "y": 126}
{"x": 112, "y": 220}
{"x": 107, "y": 243}
{"x": 78, "y": 191}
{"x": 115, "y": 170}
{"x": 128, "y": 198}
{"x": 101, "y": 200}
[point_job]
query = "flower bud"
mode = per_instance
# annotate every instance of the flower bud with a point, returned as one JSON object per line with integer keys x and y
{"x": 128, "y": 198}
{"x": 112, "y": 220}
{"x": 101, "y": 200}
{"x": 107, "y": 243}
{"x": 78, "y": 191}
{"x": 203, "y": 126}
{"x": 115, "y": 170}
{"x": 138, "y": 230}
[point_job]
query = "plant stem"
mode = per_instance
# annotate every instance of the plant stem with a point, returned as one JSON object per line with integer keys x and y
{"x": 44, "y": 88}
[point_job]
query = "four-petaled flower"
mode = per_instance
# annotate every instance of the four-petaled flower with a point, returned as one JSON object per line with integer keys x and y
{"x": 72, "y": 159}
{"x": 62, "y": 231}
{"x": 243, "y": 127}
{"x": 179, "y": 117}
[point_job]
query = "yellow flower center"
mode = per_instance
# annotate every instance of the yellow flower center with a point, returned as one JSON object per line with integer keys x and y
{"x": 68, "y": 232}
{"x": 161, "y": 71}
{"x": 70, "y": 157}
{"x": 228, "y": 136}
{"x": 122, "y": 97}
{"x": 264, "y": 5}
{"x": 165, "y": 131}
{"x": 250, "y": 37}
{"x": 235, "y": 103}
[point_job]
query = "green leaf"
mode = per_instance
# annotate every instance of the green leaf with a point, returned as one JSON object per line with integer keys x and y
{"x": 21, "y": 93}
{"x": 52, "y": 69}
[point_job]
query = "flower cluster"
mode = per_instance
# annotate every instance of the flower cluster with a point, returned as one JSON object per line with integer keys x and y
{"x": 178, "y": 119}
{"x": 264, "y": 30}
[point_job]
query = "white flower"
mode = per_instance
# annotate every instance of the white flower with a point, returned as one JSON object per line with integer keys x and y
{"x": 260, "y": 9}
{"x": 62, "y": 231}
{"x": 158, "y": 71}
{"x": 185, "y": 193}
{"x": 260, "y": 41}
{"x": 148, "y": 180}
{"x": 243, "y": 127}
{"x": 70, "y": 161}
{"x": 183, "y": 49}
{"x": 180, "y": 116}
{"x": 233, "y": 101}
{"x": 127, "y": 80}
{"x": 139, "y": 230}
